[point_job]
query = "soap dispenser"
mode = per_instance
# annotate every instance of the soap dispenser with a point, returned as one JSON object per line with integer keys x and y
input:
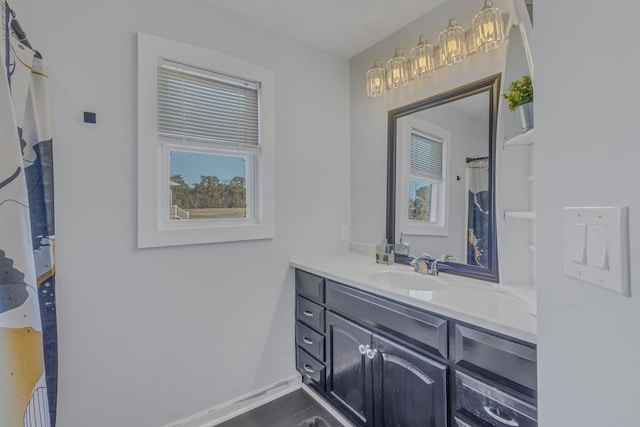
{"x": 384, "y": 252}
{"x": 403, "y": 247}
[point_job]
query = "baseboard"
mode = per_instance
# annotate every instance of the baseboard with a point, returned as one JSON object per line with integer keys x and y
{"x": 330, "y": 409}
{"x": 238, "y": 406}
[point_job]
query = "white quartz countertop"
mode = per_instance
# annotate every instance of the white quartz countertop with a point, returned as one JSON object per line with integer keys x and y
{"x": 473, "y": 301}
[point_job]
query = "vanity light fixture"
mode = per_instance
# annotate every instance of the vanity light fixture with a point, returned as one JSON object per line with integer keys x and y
{"x": 423, "y": 63}
{"x": 397, "y": 70}
{"x": 452, "y": 43}
{"x": 488, "y": 28}
{"x": 376, "y": 85}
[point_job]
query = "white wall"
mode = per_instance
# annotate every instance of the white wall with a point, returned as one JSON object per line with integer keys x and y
{"x": 369, "y": 115}
{"x": 587, "y": 150}
{"x": 150, "y": 336}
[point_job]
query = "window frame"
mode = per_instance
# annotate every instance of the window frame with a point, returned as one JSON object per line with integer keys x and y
{"x": 440, "y": 227}
{"x": 154, "y": 228}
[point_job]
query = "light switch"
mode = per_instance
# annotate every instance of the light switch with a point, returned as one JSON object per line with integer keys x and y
{"x": 599, "y": 247}
{"x": 596, "y": 246}
{"x": 578, "y": 243}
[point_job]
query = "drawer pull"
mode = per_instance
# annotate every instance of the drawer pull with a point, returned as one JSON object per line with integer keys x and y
{"x": 307, "y": 313}
{"x": 308, "y": 368}
{"x": 307, "y": 340}
{"x": 506, "y": 421}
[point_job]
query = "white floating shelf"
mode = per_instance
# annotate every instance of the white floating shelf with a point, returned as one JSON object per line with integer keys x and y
{"x": 525, "y": 138}
{"x": 520, "y": 214}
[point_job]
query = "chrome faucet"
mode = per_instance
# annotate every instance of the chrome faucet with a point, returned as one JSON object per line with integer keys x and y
{"x": 433, "y": 269}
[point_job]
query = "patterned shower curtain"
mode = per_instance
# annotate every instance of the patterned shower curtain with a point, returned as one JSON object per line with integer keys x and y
{"x": 28, "y": 342}
{"x": 478, "y": 212}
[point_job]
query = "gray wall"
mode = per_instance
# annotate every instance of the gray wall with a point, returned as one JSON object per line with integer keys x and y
{"x": 150, "y": 336}
{"x": 586, "y": 152}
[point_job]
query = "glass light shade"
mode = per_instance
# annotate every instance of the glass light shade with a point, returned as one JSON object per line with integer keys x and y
{"x": 423, "y": 63}
{"x": 452, "y": 44}
{"x": 397, "y": 70}
{"x": 488, "y": 27}
{"x": 376, "y": 85}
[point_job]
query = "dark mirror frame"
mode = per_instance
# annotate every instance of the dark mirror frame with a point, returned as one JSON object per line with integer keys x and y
{"x": 492, "y": 85}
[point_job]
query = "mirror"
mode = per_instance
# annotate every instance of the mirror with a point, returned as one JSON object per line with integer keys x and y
{"x": 441, "y": 178}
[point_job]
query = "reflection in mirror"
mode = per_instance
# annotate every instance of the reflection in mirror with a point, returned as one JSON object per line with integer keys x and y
{"x": 440, "y": 184}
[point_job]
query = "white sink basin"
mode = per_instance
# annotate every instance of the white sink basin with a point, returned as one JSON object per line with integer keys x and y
{"x": 409, "y": 280}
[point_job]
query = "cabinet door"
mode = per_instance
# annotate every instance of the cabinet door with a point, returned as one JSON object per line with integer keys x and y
{"x": 410, "y": 389}
{"x": 349, "y": 381}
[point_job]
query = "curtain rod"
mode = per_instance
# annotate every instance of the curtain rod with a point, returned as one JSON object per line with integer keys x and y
{"x": 473, "y": 159}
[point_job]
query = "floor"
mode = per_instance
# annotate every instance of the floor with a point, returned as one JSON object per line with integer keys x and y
{"x": 296, "y": 409}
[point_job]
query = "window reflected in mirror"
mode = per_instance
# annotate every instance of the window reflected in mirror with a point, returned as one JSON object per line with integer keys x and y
{"x": 420, "y": 200}
{"x": 425, "y": 176}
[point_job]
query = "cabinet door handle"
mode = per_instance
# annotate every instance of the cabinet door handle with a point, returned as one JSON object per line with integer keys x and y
{"x": 307, "y": 340}
{"x": 362, "y": 349}
{"x": 506, "y": 421}
{"x": 371, "y": 352}
{"x": 308, "y": 368}
{"x": 307, "y": 313}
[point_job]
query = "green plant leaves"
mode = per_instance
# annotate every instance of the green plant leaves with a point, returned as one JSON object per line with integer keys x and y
{"x": 519, "y": 92}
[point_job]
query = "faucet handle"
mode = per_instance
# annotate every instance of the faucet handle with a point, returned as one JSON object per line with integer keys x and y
{"x": 446, "y": 258}
{"x": 420, "y": 265}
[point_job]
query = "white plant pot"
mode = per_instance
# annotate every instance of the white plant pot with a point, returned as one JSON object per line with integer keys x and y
{"x": 525, "y": 114}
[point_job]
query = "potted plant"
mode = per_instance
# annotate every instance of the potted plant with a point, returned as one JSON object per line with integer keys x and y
{"x": 520, "y": 97}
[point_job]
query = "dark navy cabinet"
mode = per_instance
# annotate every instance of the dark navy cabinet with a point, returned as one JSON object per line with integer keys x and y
{"x": 410, "y": 387}
{"x": 378, "y": 382}
{"x": 382, "y": 363}
{"x": 310, "y": 329}
{"x": 349, "y": 374}
{"x": 495, "y": 379}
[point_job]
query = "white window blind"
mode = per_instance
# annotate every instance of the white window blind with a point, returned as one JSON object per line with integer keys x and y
{"x": 203, "y": 104}
{"x": 426, "y": 156}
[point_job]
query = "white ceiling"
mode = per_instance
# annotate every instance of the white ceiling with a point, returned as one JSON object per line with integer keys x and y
{"x": 343, "y": 27}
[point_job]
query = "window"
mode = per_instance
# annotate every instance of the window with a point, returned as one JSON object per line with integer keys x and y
{"x": 205, "y": 146}
{"x": 205, "y": 185}
{"x": 425, "y": 176}
{"x": 421, "y": 194}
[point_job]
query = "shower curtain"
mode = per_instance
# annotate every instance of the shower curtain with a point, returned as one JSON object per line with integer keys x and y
{"x": 478, "y": 212}
{"x": 28, "y": 343}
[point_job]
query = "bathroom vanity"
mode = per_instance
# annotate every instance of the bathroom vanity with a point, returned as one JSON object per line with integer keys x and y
{"x": 391, "y": 347}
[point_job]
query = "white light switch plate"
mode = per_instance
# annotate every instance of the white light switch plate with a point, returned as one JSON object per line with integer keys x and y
{"x": 607, "y": 246}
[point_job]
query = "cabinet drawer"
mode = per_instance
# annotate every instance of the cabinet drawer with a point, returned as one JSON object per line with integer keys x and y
{"x": 416, "y": 328}
{"x": 507, "y": 359}
{"x": 310, "y": 285}
{"x": 312, "y": 371}
{"x": 310, "y": 340}
{"x": 310, "y": 313}
{"x": 479, "y": 401}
